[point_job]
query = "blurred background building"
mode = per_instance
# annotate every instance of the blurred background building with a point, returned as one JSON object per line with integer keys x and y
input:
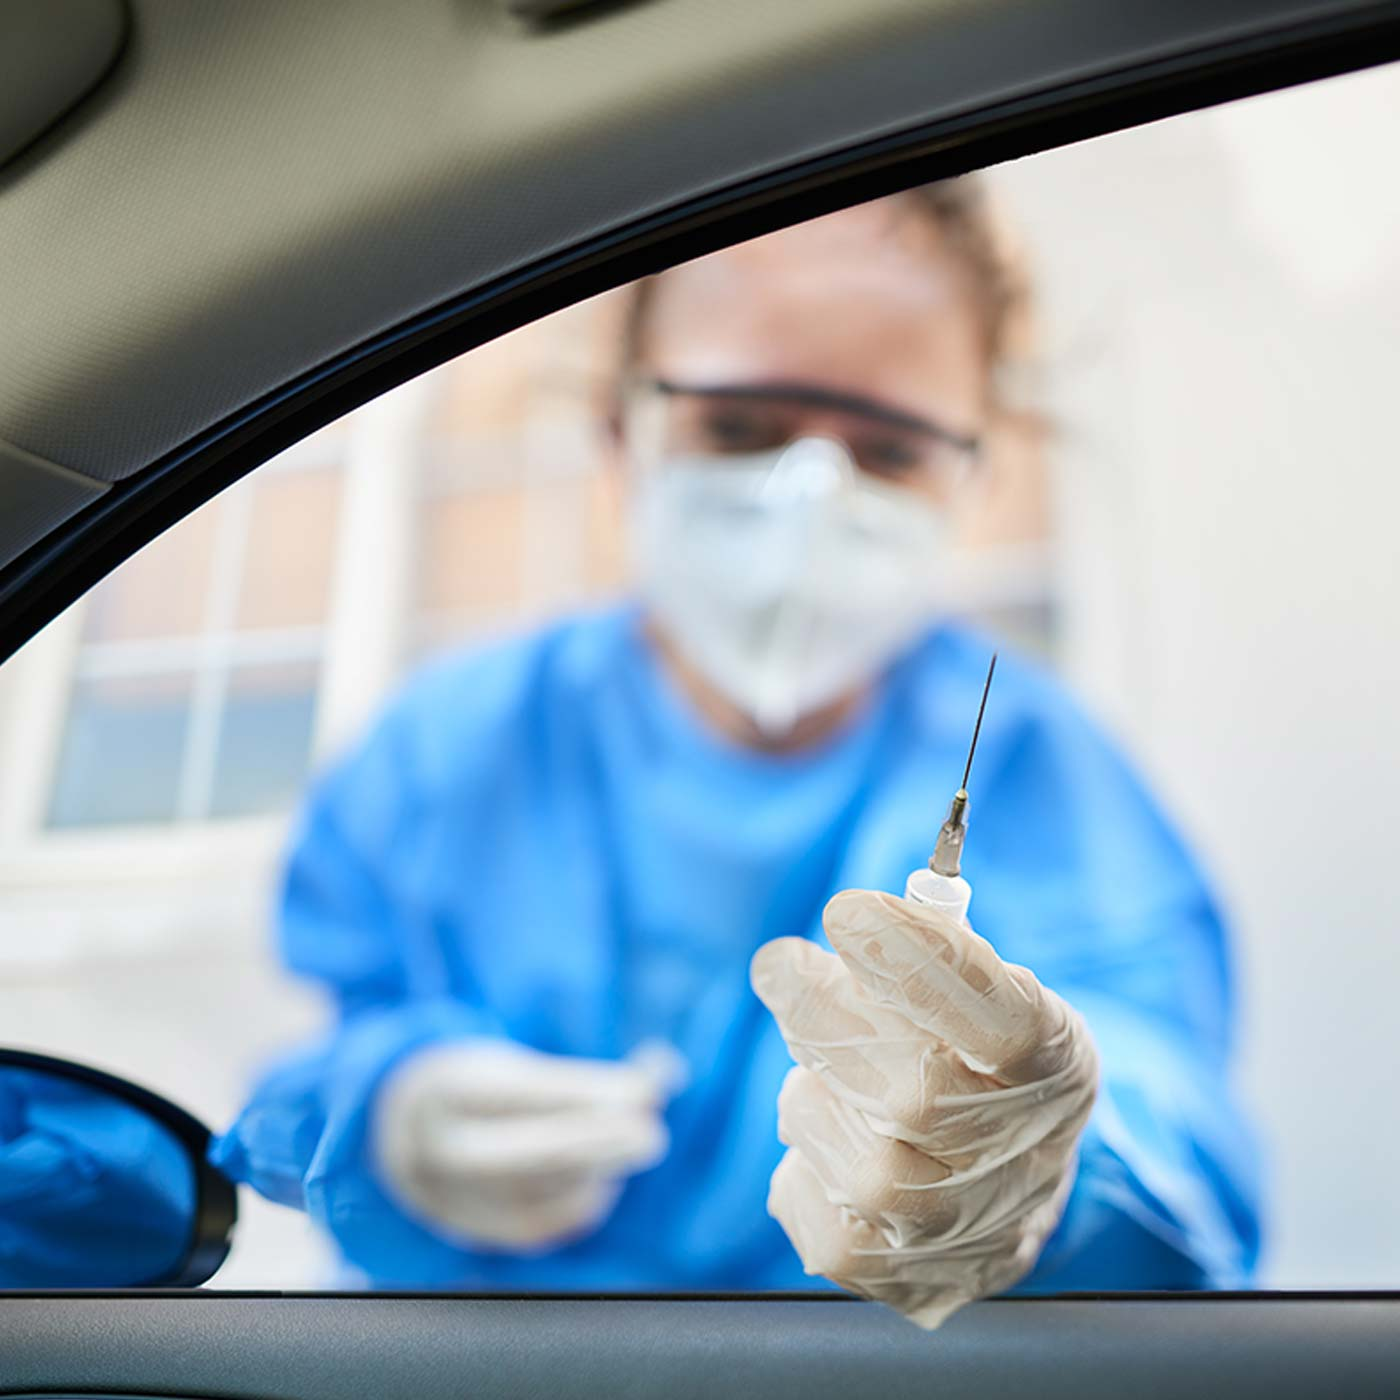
{"x": 1192, "y": 519}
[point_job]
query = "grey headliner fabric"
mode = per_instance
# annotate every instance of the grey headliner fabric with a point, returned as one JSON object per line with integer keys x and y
{"x": 52, "y": 53}
{"x": 263, "y": 183}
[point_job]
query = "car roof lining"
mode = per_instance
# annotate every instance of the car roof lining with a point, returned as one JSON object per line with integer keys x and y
{"x": 53, "y": 53}
{"x": 157, "y": 486}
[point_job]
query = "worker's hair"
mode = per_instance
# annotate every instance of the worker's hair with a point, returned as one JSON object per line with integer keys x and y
{"x": 966, "y": 218}
{"x": 963, "y": 215}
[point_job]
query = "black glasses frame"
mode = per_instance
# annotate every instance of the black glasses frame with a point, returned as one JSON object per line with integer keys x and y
{"x": 818, "y": 396}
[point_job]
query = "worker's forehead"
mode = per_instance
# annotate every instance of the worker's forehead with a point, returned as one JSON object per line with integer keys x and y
{"x": 885, "y": 253}
{"x": 864, "y": 294}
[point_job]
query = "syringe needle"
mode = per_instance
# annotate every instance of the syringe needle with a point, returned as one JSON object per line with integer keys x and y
{"x": 977, "y": 730}
{"x": 946, "y": 859}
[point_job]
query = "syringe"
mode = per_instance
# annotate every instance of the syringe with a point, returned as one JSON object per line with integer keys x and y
{"x": 940, "y": 883}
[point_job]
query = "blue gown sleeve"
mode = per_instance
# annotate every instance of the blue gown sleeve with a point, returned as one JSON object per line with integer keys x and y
{"x": 356, "y": 918}
{"x": 1127, "y": 931}
{"x": 1165, "y": 1195}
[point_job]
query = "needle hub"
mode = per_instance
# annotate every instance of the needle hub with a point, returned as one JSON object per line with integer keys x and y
{"x": 947, "y": 853}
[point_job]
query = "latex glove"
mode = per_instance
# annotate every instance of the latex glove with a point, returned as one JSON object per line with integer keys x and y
{"x": 934, "y": 1113}
{"x": 494, "y": 1144}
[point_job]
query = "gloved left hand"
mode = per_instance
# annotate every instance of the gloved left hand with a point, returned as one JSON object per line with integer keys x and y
{"x": 934, "y": 1113}
{"x": 494, "y": 1145}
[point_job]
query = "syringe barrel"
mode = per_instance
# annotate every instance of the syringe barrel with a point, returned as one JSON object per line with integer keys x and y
{"x": 950, "y": 893}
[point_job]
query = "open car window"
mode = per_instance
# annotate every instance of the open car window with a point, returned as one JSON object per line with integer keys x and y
{"x": 413, "y": 810}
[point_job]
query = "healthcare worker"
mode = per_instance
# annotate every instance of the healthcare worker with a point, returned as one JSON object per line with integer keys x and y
{"x": 536, "y": 889}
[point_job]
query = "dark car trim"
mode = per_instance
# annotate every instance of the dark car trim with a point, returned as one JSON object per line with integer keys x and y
{"x": 446, "y": 1348}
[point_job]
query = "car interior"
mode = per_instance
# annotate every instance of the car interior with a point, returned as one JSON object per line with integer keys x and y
{"x": 251, "y": 249}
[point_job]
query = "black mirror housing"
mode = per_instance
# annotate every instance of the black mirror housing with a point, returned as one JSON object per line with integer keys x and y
{"x": 103, "y": 1184}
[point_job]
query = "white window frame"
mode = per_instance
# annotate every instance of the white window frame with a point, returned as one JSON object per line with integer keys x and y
{"x": 359, "y": 646}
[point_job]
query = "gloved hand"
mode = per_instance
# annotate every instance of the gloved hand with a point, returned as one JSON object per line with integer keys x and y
{"x": 494, "y": 1144}
{"x": 934, "y": 1112}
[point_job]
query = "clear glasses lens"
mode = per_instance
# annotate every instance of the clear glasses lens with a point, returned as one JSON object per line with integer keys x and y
{"x": 667, "y": 425}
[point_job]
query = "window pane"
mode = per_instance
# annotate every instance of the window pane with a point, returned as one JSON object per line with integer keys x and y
{"x": 265, "y": 740}
{"x": 160, "y": 592}
{"x": 1181, "y": 539}
{"x": 122, "y": 751}
{"x": 286, "y": 578}
{"x": 500, "y": 386}
{"x": 519, "y": 515}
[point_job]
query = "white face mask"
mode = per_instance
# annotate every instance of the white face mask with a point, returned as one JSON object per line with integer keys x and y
{"x": 784, "y": 578}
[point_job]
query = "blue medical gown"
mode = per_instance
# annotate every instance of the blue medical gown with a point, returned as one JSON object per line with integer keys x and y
{"x": 543, "y": 842}
{"x": 93, "y": 1193}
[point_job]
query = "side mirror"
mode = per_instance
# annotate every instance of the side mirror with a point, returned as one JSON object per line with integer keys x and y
{"x": 103, "y": 1184}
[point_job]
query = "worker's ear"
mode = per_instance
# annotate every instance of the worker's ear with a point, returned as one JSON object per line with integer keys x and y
{"x": 614, "y": 315}
{"x": 610, "y": 419}
{"x": 611, "y": 426}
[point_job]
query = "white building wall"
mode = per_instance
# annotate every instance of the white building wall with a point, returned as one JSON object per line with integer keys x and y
{"x": 1223, "y": 298}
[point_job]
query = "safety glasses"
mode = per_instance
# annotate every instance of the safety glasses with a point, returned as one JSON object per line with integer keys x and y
{"x": 665, "y": 420}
